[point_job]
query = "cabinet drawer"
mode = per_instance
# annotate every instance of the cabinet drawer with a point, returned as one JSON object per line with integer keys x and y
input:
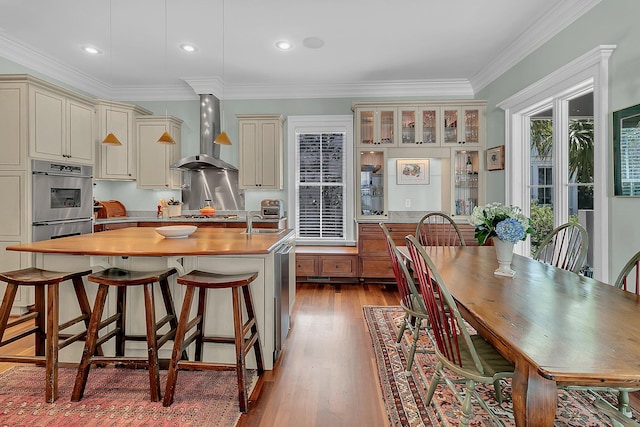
{"x": 118, "y": 225}
{"x": 376, "y": 267}
{"x": 338, "y": 266}
{"x": 306, "y": 265}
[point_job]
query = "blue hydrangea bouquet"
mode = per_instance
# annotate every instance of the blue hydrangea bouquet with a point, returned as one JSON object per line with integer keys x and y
{"x": 497, "y": 220}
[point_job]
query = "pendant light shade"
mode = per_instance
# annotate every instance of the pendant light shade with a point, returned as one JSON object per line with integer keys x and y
{"x": 165, "y": 138}
{"x": 111, "y": 139}
{"x": 223, "y": 139}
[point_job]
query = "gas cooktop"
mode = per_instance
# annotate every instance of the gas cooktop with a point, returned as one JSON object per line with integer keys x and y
{"x": 196, "y": 216}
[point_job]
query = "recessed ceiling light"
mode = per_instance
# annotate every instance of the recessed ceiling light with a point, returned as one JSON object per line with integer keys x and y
{"x": 283, "y": 45}
{"x": 188, "y": 47}
{"x": 92, "y": 50}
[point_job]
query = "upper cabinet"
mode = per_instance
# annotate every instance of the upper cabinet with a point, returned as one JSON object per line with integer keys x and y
{"x": 61, "y": 125}
{"x": 376, "y": 125}
{"x": 14, "y": 124}
{"x": 463, "y": 125}
{"x": 117, "y": 162}
{"x": 260, "y": 151}
{"x": 419, "y": 125}
{"x": 154, "y": 158}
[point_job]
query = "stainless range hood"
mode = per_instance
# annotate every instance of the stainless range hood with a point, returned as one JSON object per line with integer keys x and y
{"x": 209, "y": 156}
{"x": 204, "y": 175}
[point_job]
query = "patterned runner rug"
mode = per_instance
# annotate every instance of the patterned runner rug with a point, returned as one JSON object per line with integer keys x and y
{"x": 119, "y": 397}
{"x": 405, "y": 395}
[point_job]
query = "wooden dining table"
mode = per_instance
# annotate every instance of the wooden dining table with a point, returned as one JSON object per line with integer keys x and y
{"x": 557, "y": 327}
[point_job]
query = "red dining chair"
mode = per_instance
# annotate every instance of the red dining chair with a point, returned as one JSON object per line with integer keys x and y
{"x": 415, "y": 313}
{"x": 469, "y": 357}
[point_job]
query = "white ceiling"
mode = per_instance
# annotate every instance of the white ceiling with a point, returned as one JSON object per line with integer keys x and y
{"x": 371, "y": 47}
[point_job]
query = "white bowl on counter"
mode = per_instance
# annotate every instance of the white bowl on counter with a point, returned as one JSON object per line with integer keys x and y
{"x": 176, "y": 231}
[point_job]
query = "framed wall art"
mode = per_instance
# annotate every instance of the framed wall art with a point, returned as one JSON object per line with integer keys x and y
{"x": 495, "y": 158}
{"x": 626, "y": 151}
{"x": 412, "y": 171}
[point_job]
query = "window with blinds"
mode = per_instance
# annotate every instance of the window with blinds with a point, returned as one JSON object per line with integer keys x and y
{"x": 320, "y": 185}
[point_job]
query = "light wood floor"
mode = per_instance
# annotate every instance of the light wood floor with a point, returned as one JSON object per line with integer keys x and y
{"x": 326, "y": 374}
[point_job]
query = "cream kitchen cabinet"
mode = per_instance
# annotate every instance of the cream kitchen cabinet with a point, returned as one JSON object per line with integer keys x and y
{"x": 463, "y": 125}
{"x": 14, "y": 125}
{"x": 261, "y": 151}
{"x": 154, "y": 158}
{"x": 117, "y": 162}
{"x": 419, "y": 125}
{"x": 375, "y": 125}
{"x": 61, "y": 125}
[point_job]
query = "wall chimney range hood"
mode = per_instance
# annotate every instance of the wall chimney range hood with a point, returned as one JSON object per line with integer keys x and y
{"x": 209, "y": 156}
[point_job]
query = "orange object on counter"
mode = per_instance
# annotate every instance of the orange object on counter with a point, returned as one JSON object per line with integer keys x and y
{"x": 111, "y": 209}
{"x": 208, "y": 211}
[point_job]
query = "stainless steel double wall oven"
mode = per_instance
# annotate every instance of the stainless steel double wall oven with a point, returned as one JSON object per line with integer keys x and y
{"x": 62, "y": 200}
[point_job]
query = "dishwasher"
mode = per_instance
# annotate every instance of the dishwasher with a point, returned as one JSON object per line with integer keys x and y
{"x": 281, "y": 296}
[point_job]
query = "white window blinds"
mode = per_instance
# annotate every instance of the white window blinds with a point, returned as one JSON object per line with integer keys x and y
{"x": 320, "y": 185}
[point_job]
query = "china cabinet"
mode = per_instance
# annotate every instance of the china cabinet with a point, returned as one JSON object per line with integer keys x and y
{"x": 375, "y": 126}
{"x": 372, "y": 201}
{"x": 419, "y": 125}
{"x": 463, "y": 125}
{"x": 117, "y": 162}
{"x": 154, "y": 158}
{"x": 468, "y": 173}
{"x": 450, "y": 130}
{"x": 260, "y": 151}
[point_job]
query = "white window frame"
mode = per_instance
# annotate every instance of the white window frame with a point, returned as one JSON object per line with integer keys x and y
{"x": 586, "y": 73}
{"x": 323, "y": 124}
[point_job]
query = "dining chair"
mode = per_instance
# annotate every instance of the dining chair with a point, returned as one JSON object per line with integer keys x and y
{"x": 438, "y": 229}
{"x": 565, "y": 247}
{"x": 415, "y": 313}
{"x": 469, "y": 357}
{"x": 628, "y": 280}
{"x": 630, "y": 275}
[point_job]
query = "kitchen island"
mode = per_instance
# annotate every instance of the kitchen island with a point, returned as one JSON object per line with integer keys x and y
{"x": 220, "y": 250}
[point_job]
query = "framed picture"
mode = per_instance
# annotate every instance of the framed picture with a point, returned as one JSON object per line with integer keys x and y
{"x": 495, "y": 158}
{"x": 412, "y": 171}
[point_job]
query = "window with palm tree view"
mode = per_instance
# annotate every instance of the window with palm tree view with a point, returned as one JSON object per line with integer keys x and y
{"x": 564, "y": 160}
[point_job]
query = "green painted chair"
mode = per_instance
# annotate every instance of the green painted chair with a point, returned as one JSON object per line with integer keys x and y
{"x": 565, "y": 247}
{"x": 415, "y": 313}
{"x": 438, "y": 229}
{"x": 469, "y": 357}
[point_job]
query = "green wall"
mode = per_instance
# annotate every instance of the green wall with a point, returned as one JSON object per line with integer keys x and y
{"x": 610, "y": 22}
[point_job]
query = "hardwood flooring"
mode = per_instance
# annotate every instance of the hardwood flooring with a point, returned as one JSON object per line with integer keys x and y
{"x": 326, "y": 373}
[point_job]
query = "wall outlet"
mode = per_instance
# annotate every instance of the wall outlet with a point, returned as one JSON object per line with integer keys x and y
{"x": 407, "y": 203}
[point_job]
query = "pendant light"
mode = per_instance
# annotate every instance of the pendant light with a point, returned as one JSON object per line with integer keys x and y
{"x": 165, "y": 138}
{"x": 223, "y": 138}
{"x": 110, "y": 139}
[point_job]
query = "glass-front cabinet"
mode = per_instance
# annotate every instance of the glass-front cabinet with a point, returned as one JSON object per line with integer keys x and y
{"x": 372, "y": 201}
{"x": 376, "y": 126}
{"x": 466, "y": 191}
{"x": 419, "y": 125}
{"x": 463, "y": 125}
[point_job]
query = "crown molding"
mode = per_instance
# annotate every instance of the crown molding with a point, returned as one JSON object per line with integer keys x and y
{"x": 51, "y": 67}
{"x": 547, "y": 27}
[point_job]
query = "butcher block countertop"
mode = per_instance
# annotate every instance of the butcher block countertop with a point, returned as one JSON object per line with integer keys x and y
{"x": 145, "y": 241}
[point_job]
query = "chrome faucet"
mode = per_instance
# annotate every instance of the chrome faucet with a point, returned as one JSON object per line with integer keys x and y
{"x": 250, "y": 217}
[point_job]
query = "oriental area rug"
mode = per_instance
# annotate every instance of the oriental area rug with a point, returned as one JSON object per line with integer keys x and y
{"x": 405, "y": 394}
{"x": 119, "y": 397}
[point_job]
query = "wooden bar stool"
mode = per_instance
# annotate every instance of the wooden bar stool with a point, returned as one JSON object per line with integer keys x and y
{"x": 123, "y": 279}
{"x": 47, "y": 338}
{"x": 203, "y": 281}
